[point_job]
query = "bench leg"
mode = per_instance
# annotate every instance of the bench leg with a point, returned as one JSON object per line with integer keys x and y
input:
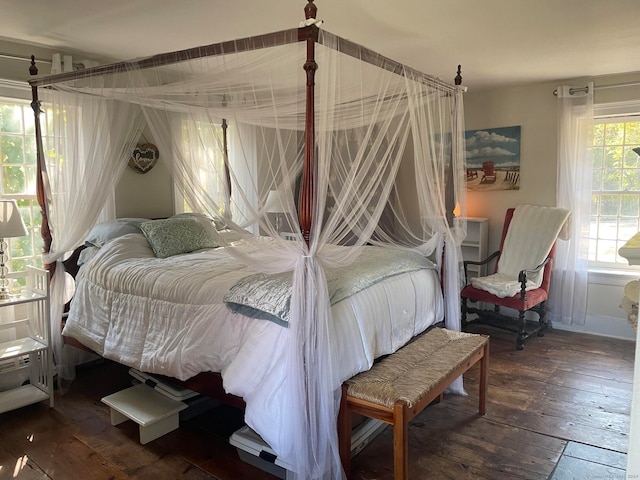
{"x": 344, "y": 434}
{"x": 484, "y": 380}
{"x": 400, "y": 441}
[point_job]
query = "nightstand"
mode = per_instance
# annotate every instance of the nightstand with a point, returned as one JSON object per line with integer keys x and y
{"x": 26, "y": 360}
{"x": 474, "y": 246}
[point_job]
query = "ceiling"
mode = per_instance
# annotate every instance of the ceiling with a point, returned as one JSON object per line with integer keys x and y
{"x": 497, "y": 42}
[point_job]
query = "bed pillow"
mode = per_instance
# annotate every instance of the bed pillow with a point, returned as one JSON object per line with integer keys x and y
{"x": 205, "y": 220}
{"x": 87, "y": 254}
{"x": 176, "y": 235}
{"x": 219, "y": 223}
{"x": 105, "y": 231}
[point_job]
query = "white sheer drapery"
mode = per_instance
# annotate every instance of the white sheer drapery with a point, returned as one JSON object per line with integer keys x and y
{"x": 372, "y": 126}
{"x": 568, "y": 296}
{"x": 92, "y": 140}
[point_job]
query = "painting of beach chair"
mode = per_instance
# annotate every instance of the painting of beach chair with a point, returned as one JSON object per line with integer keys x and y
{"x": 488, "y": 172}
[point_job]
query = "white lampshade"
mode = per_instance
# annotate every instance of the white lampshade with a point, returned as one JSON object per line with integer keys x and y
{"x": 11, "y": 224}
{"x": 276, "y": 202}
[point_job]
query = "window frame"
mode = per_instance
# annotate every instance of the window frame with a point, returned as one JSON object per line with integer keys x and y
{"x": 27, "y": 202}
{"x": 608, "y": 114}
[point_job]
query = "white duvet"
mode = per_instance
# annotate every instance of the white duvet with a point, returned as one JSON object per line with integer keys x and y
{"x": 166, "y": 316}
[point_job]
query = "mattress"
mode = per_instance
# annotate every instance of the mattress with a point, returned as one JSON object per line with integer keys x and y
{"x": 167, "y": 316}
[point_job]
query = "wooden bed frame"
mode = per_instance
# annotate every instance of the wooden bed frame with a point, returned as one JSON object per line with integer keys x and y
{"x": 210, "y": 383}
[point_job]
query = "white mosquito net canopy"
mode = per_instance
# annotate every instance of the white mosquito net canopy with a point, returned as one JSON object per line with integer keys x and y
{"x": 374, "y": 156}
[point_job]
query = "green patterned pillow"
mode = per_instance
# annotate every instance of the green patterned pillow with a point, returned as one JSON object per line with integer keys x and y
{"x": 176, "y": 235}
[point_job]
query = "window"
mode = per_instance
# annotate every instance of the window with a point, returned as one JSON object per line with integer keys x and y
{"x": 18, "y": 179}
{"x": 205, "y": 164}
{"x": 615, "y": 199}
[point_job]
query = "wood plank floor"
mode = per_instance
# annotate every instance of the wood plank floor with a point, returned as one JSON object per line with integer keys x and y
{"x": 566, "y": 389}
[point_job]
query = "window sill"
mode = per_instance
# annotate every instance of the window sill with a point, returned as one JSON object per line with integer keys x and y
{"x": 609, "y": 276}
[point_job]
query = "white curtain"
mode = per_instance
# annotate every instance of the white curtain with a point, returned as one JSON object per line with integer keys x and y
{"x": 370, "y": 121}
{"x": 93, "y": 139}
{"x": 568, "y": 296}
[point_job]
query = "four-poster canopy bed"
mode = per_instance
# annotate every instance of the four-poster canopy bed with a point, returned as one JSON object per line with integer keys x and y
{"x": 343, "y": 139}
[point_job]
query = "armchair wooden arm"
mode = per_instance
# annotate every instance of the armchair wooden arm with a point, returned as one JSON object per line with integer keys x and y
{"x": 480, "y": 263}
{"x": 522, "y": 277}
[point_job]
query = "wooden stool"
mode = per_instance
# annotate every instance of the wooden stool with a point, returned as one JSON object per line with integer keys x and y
{"x": 402, "y": 384}
{"x": 155, "y": 414}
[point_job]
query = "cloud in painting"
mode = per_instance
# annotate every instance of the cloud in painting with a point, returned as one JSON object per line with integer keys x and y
{"x": 485, "y": 152}
{"x": 482, "y": 137}
{"x": 499, "y": 145}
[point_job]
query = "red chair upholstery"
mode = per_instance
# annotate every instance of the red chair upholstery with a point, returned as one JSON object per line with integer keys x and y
{"x": 531, "y": 300}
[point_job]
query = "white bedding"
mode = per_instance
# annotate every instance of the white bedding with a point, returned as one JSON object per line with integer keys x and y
{"x": 166, "y": 316}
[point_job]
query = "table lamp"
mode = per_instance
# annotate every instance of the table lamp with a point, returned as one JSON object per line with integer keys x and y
{"x": 276, "y": 203}
{"x": 11, "y": 225}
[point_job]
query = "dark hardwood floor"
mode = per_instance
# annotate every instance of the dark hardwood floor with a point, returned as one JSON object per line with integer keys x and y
{"x": 559, "y": 409}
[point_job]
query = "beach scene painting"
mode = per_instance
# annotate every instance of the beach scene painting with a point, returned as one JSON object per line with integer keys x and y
{"x": 493, "y": 158}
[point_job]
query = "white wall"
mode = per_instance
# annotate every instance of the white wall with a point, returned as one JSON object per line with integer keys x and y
{"x": 533, "y": 107}
{"x": 148, "y": 195}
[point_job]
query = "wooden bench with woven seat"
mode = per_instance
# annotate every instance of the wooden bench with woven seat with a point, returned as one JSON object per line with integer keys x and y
{"x": 401, "y": 385}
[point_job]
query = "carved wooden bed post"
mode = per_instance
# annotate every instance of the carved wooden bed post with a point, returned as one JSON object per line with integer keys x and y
{"x": 41, "y": 167}
{"x": 227, "y": 172}
{"x": 449, "y": 197}
{"x": 450, "y": 203}
{"x": 307, "y": 188}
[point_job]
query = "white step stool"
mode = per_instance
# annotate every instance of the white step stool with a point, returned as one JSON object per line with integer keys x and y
{"x": 155, "y": 414}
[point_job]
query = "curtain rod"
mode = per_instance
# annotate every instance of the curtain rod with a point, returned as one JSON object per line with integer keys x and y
{"x": 26, "y": 58}
{"x": 599, "y": 87}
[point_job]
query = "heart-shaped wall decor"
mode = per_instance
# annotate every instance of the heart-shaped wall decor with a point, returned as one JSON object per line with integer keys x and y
{"x": 144, "y": 157}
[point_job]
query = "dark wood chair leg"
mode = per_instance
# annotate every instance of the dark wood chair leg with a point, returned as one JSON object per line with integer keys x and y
{"x": 463, "y": 306}
{"x": 541, "y": 310}
{"x": 522, "y": 334}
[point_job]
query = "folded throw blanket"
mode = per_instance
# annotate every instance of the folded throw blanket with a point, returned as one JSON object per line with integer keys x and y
{"x": 532, "y": 232}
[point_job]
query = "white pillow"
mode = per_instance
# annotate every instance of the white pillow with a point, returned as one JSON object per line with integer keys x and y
{"x": 105, "y": 231}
